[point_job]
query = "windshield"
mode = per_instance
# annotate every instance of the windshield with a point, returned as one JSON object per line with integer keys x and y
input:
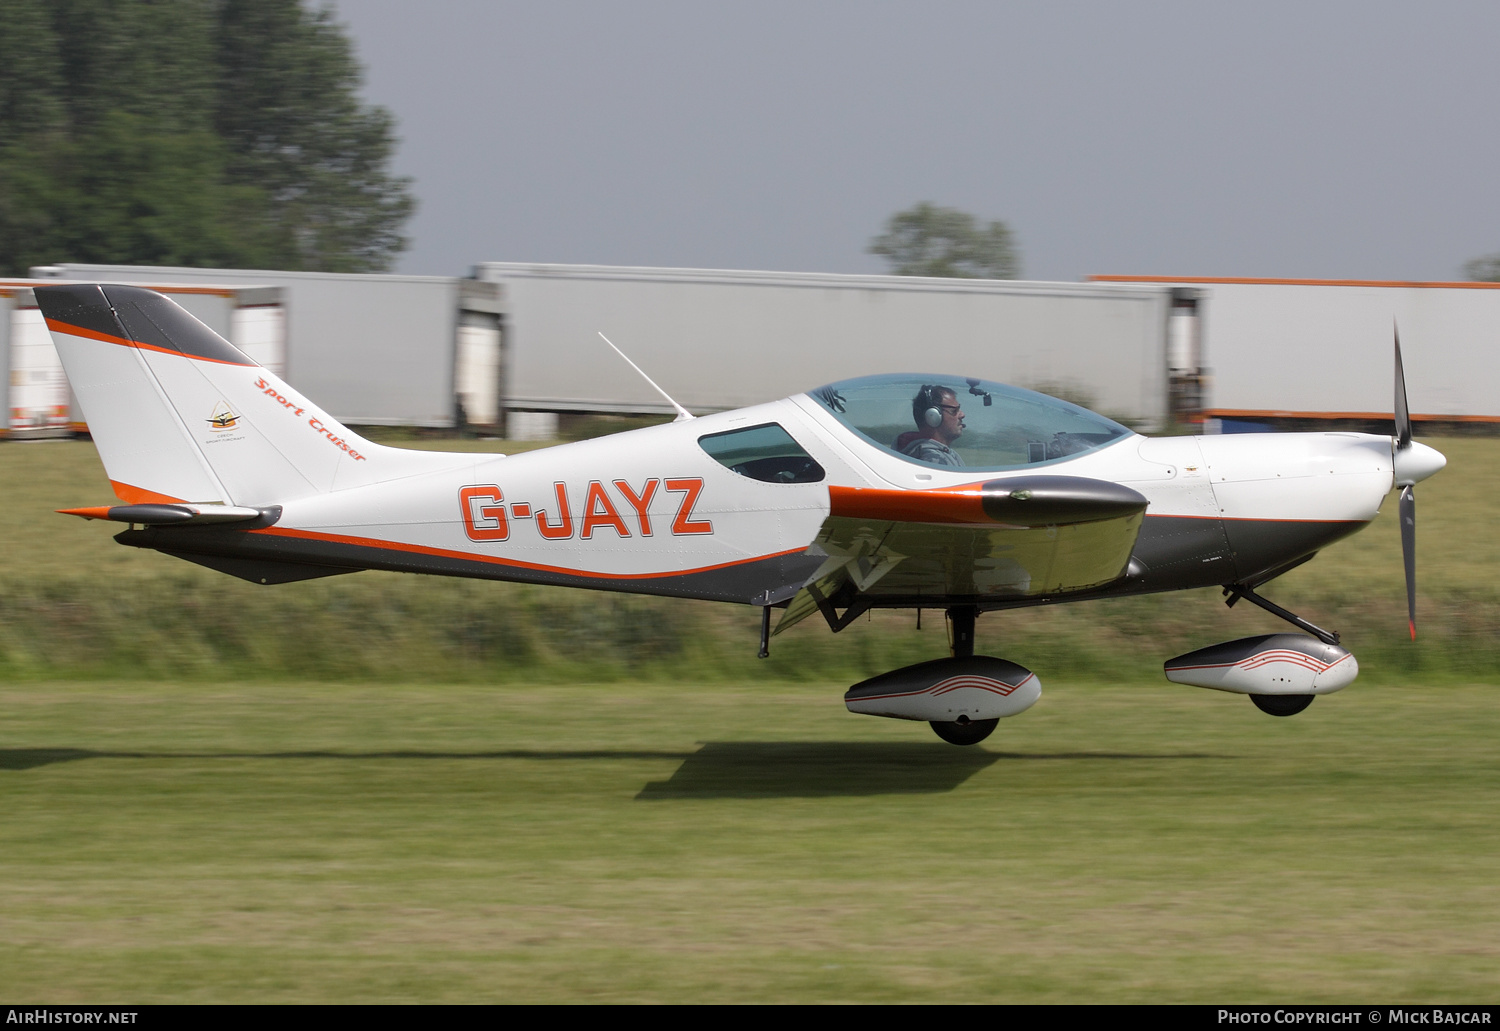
{"x": 961, "y": 421}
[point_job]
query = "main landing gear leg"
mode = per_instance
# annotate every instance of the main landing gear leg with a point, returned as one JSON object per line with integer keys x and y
{"x": 961, "y": 619}
{"x": 963, "y": 731}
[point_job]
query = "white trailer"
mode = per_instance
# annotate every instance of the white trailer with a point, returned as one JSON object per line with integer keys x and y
{"x": 430, "y": 351}
{"x": 372, "y": 349}
{"x": 37, "y": 398}
{"x": 722, "y": 339}
{"x": 1290, "y": 349}
{"x": 39, "y": 403}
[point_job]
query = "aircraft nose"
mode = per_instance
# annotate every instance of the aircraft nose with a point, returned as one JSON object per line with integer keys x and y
{"x": 1415, "y": 463}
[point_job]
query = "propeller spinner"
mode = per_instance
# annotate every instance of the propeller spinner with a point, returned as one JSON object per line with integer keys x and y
{"x": 1413, "y": 463}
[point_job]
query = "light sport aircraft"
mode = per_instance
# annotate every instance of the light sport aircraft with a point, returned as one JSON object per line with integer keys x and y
{"x": 896, "y": 491}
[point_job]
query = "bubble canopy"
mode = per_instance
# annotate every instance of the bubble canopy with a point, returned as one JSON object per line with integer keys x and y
{"x": 938, "y": 420}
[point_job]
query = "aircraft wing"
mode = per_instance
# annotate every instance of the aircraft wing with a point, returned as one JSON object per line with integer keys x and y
{"x": 1006, "y": 538}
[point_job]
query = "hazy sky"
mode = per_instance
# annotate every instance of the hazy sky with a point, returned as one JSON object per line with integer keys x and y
{"x": 1334, "y": 140}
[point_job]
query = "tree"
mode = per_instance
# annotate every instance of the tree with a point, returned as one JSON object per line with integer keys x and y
{"x": 129, "y": 195}
{"x": 220, "y": 133}
{"x": 30, "y": 74}
{"x": 289, "y": 110}
{"x": 1483, "y": 270}
{"x": 928, "y": 240}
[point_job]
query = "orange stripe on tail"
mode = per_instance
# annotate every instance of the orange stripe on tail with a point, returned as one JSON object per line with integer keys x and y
{"x": 141, "y": 496}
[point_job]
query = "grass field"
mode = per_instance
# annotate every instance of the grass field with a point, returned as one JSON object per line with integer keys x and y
{"x": 372, "y": 843}
{"x": 73, "y": 604}
{"x": 386, "y": 788}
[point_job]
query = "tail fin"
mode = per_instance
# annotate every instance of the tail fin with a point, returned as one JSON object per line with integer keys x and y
{"x": 179, "y": 414}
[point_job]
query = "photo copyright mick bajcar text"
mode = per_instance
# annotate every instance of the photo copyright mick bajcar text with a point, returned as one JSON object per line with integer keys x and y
{"x": 1390, "y": 1015}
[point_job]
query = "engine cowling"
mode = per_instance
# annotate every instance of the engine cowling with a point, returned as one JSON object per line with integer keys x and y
{"x": 1269, "y": 664}
{"x": 977, "y": 687}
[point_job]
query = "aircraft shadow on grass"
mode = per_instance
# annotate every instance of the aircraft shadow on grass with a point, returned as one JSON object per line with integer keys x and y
{"x": 786, "y": 769}
{"x": 717, "y": 769}
{"x": 30, "y": 758}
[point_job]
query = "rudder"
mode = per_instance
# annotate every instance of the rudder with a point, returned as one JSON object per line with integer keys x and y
{"x": 179, "y": 413}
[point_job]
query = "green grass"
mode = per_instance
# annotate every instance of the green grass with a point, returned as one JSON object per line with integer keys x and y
{"x": 75, "y": 604}
{"x": 383, "y": 788}
{"x": 221, "y": 841}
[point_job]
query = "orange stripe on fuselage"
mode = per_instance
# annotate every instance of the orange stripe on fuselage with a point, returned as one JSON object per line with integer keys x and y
{"x": 963, "y": 505}
{"x": 956, "y": 505}
{"x": 469, "y": 556}
{"x": 1276, "y": 413}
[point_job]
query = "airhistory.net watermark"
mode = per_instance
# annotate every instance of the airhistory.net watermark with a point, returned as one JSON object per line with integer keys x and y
{"x": 54, "y": 1015}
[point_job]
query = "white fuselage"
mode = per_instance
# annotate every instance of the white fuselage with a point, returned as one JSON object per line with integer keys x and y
{"x": 651, "y": 502}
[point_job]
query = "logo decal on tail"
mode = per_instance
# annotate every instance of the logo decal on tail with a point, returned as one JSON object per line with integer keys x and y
{"x": 223, "y": 418}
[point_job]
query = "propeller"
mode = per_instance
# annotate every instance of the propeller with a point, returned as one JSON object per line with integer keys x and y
{"x": 1403, "y": 415}
{"x": 1408, "y": 505}
{"x": 1412, "y": 463}
{"x": 1408, "y": 513}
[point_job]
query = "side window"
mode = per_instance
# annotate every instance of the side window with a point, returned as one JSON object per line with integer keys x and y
{"x": 766, "y": 453}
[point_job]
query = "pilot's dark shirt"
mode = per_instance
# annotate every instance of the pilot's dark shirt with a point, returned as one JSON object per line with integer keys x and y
{"x": 934, "y": 452}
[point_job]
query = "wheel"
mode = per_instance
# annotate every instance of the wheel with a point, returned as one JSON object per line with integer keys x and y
{"x": 1281, "y": 704}
{"x": 964, "y": 732}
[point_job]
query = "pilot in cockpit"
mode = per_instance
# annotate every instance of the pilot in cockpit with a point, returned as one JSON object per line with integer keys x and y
{"x": 940, "y": 421}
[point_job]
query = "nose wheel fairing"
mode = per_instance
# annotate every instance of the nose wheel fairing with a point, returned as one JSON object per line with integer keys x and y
{"x": 1269, "y": 664}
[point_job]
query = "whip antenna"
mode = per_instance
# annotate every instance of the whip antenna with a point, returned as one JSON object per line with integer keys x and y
{"x": 682, "y": 413}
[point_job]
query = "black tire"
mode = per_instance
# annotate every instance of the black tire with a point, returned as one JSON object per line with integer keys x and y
{"x": 970, "y": 732}
{"x": 1281, "y": 704}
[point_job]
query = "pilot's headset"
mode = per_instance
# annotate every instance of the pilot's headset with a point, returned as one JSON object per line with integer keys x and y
{"x": 927, "y": 406}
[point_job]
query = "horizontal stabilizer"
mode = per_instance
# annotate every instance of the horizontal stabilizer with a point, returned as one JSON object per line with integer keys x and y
{"x": 166, "y": 515}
